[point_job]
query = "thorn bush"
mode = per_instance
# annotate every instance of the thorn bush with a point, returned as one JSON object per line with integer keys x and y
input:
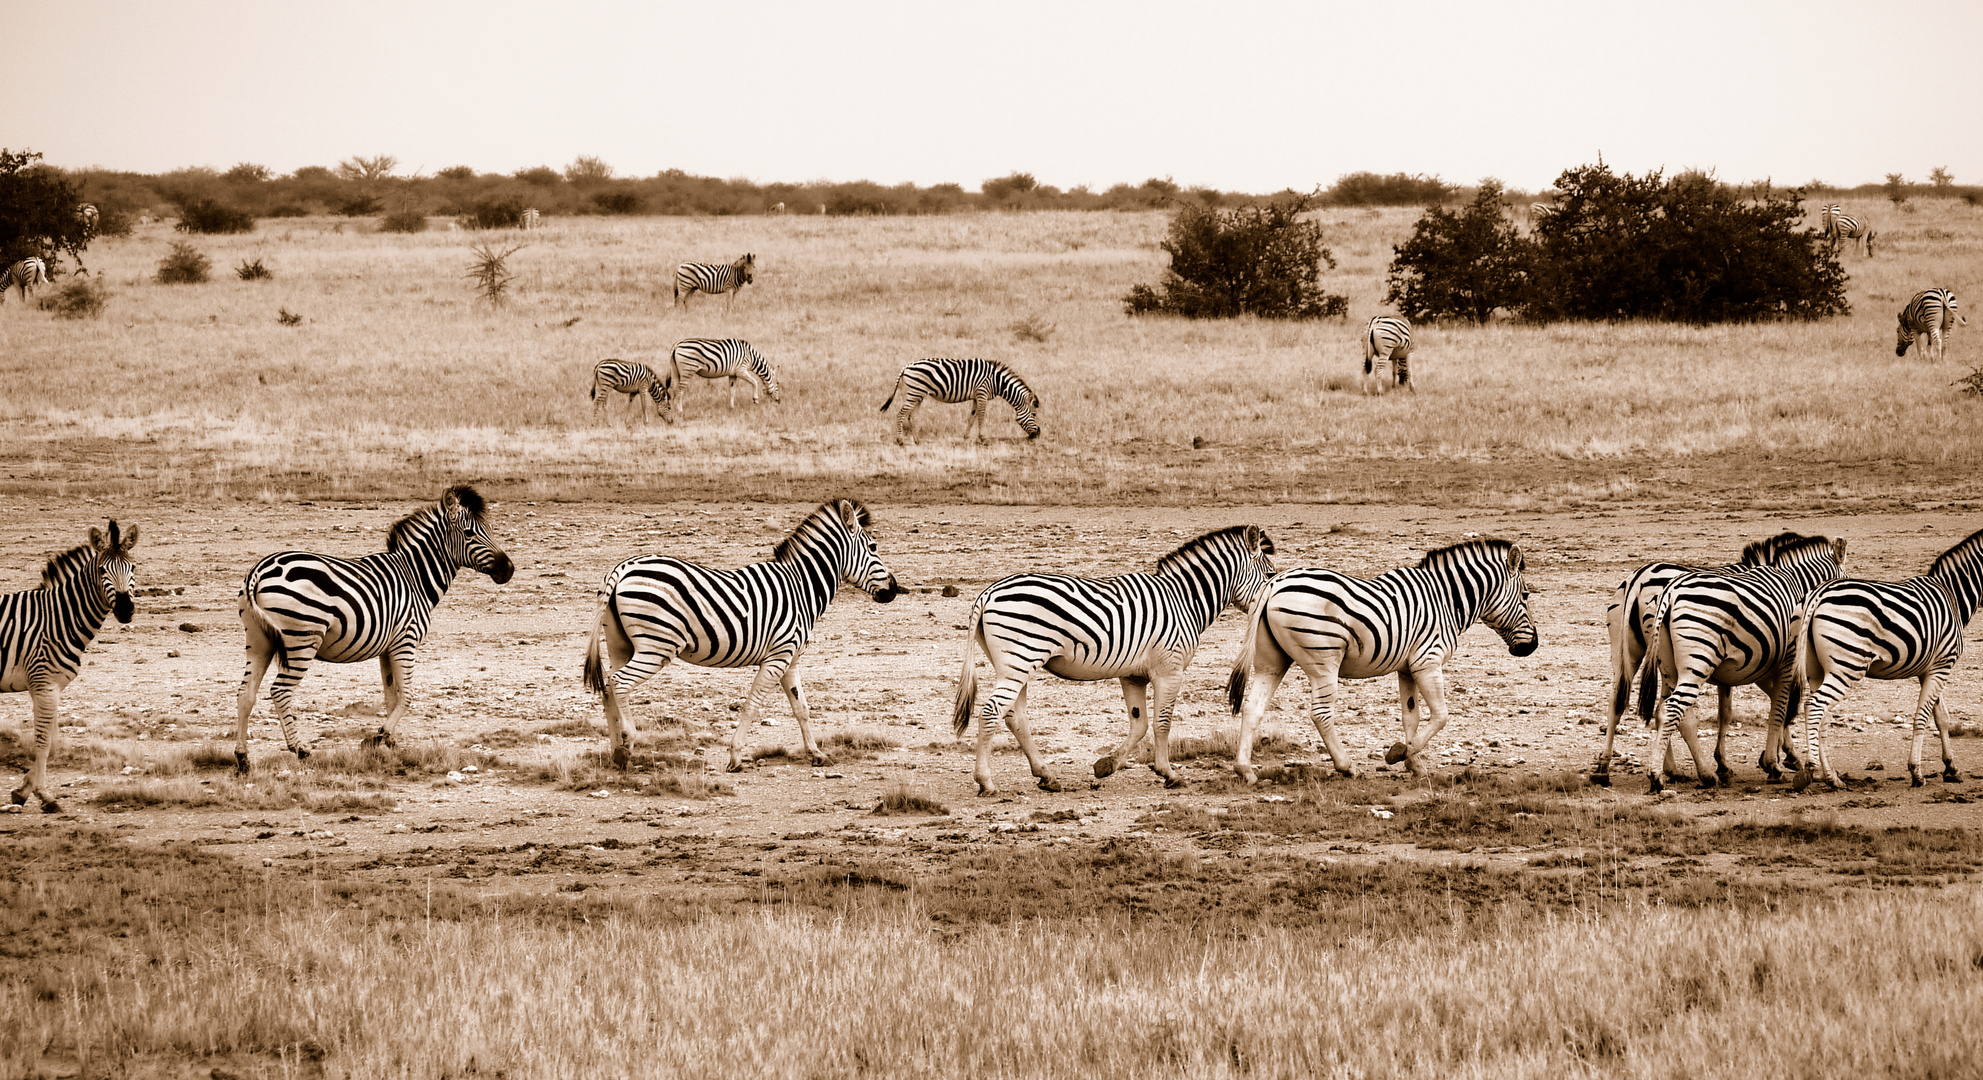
{"x": 404, "y": 221}
{"x": 253, "y": 271}
{"x": 81, "y": 298}
{"x": 198, "y": 214}
{"x": 184, "y": 265}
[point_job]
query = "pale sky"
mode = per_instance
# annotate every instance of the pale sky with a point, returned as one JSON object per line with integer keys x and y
{"x": 1237, "y": 96}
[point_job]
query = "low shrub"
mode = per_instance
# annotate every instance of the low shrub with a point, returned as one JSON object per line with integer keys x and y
{"x": 616, "y": 202}
{"x": 360, "y": 205}
{"x": 253, "y": 271}
{"x": 184, "y": 265}
{"x": 403, "y": 221}
{"x": 1254, "y": 260}
{"x": 198, "y": 214}
{"x": 492, "y": 214}
{"x": 1397, "y": 189}
{"x": 81, "y": 298}
{"x": 289, "y": 210}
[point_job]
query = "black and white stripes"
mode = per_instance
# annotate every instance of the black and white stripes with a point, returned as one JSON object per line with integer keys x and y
{"x": 1931, "y": 314}
{"x": 22, "y": 276}
{"x": 1841, "y": 228}
{"x": 43, "y": 633}
{"x": 1387, "y": 344}
{"x": 654, "y": 609}
{"x": 631, "y": 378}
{"x": 299, "y": 606}
{"x": 717, "y": 358}
{"x": 713, "y": 278}
{"x": 956, "y": 381}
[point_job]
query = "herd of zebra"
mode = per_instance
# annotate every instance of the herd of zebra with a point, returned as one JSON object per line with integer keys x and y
{"x": 1779, "y": 617}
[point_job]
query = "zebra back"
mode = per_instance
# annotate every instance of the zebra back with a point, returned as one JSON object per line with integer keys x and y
{"x": 1747, "y": 613}
{"x": 1960, "y": 571}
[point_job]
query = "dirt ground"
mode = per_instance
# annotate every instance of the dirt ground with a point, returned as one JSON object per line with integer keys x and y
{"x": 501, "y": 665}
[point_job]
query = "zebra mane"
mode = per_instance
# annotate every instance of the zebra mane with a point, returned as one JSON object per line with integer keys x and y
{"x": 1492, "y": 545}
{"x": 1777, "y": 548}
{"x": 402, "y": 532}
{"x": 1217, "y": 537}
{"x": 789, "y": 547}
{"x": 1966, "y": 551}
{"x": 67, "y": 565}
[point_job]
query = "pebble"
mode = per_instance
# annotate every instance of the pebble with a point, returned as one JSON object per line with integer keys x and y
{"x": 601, "y": 793}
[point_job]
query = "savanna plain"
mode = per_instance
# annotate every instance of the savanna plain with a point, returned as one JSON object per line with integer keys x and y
{"x": 490, "y": 898}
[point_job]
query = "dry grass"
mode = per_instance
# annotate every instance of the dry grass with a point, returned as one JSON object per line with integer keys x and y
{"x": 398, "y": 354}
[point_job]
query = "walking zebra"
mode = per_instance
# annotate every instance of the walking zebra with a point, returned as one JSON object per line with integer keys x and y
{"x": 1849, "y": 630}
{"x": 1140, "y": 628}
{"x": 1406, "y": 621}
{"x": 1387, "y": 339}
{"x": 529, "y": 219}
{"x": 1931, "y": 314}
{"x": 1630, "y": 622}
{"x": 1735, "y": 629}
{"x": 729, "y": 279}
{"x": 1839, "y": 226}
{"x": 86, "y": 216}
{"x": 716, "y": 358}
{"x": 654, "y": 609}
{"x": 611, "y": 377}
{"x": 299, "y": 606}
{"x": 22, "y": 276}
{"x": 957, "y": 381}
{"x": 43, "y": 632}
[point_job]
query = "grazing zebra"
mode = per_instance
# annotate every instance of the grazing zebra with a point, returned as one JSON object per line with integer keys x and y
{"x": 654, "y": 609}
{"x": 728, "y": 279}
{"x": 1387, "y": 339}
{"x": 1139, "y": 628}
{"x": 529, "y": 219}
{"x": 1735, "y": 629}
{"x": 957, "y": 381}
{"x": 1839, "y": 226}
{"x": 1849, "y": 630}
{"x": 1406, "y": 621}
{"x": 717, "y": 358}
{"x": 611, "y": 377}
{"x": 86, "y": 216}
{"x": 299, "y": 606}
{"x": 1931, "y": 314}
{"x": 43, "y": 632}
{"x": 1630, "y": 622}
{"x": 23, "y": 275}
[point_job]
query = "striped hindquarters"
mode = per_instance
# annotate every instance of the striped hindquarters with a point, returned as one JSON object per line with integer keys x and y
{"x": 24, "y": 275}
{"x": 1931, "y": 314}
{"x": 1735, "y": 627}
{"x": 529, "y": 218}
{"x": 1388, "y": 338}
{"x": 957, "y": 381}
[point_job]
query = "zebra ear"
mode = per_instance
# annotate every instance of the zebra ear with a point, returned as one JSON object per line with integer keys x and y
{"x": 853, "y": 515}
{"x": 96, "y": 538}
{"x": 1514, "y": 557}
{"x": 1838, "y": 547}
{"x": 1258, "y": 540}
{"x": 130, "y": 537}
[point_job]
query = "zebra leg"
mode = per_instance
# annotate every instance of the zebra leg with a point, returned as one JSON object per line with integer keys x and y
{"x": 1136, "y": 697}
{"x": 627, "y": 670}
{"x": 1831, "y": 687}
{"x": 1949, "y": 773}
{"x": 46, "y": 698}
{"x": 1927, "y": 710}
{"x": 1723, "y": 713}
{"x": 768, "y": 673}
{"x": 292, "y": 663}
{"x": 261, "y": 649}
{"x": 796, "y": 693}
{"x": 1430, "y": 685}
{"x": 395, "y": 668}
{"x": 1023, "y": 732}
{"x": 1259, "y": 692}
{"x": 977, "y": 418}
{"x": 1001, "y": 703}
{"x": 905, "y": 420}
{"x": 1323, "y": 682}
{"x": 1165, "y": 699}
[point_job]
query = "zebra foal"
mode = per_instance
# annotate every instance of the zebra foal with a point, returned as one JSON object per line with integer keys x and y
{"x": 1733, "y": 629}
{"x": 1406, "y": 621}
{"x": 299, "y": 606}
{"x": 1140, "y": 628}
{"x": 43, "y": 632}
{"x": 710, "y": 278}
{"x": 654, "y": 610}
{"x": 22, "y": 276}
{"x": 954, "y": 382}
{"x": 716, "y": 358}
{"x": 627, "y": 377}
{"x": 1850, "y": 630}
{"x": 1387, "y": 343}
{"x": 1931, "y": 314}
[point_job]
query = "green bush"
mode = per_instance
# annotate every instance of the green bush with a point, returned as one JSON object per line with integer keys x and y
{"x": 184, "y": 265}
{"x": 198, "y": 214}
{"x": 1254, "y": 260}
{"x": 616, "y": 202}
{"x": 81, "y": 298}
{"x": 1463, "y": 265}
{"x": 404, "y": 221}
{"x": 1397, "y": 189}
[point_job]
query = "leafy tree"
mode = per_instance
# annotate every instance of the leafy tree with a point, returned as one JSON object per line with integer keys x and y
{"x": 1462, "y": 265}
{"x": 539, "y": 176}
{"x": 366, "y": 169}
{"x": 37, "y": 211}
{"x": 1942, "y": 178}
{"x": 1254, "y": 260}
{"x": 586, "y": 169}
{"x": 1006, "y": 188}
{"x": 457, "y": 172}
{"x": 1896, "y": 188}
{"x": 248, "y": 173}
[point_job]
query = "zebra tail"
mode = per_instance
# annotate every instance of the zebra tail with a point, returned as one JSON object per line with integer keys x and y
{"x": 1806, "y": 662}
{"x": 1649, "y": 675}
{"x": 891, "y": 394}
{"x": 595, "y": 673}
{"x": 967, "y": 680}
{"x": 252, "y": 610}
{"x": 1242, "y": 665}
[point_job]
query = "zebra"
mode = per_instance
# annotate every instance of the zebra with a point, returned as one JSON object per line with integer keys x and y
{"x": 728, "y": 279}
{"x": 1849, "y": 630}
{"x": 529, "y": 219}
{"x": 654, "y": 609}
{"x": 1406, "y": 621}
{"x": 22, "y": 275}
{"x": 611, "y": 377}
{"x": 1539, "y": 211}
{"x": 1388, "y": 339}
{"x": 1931, "y": 314}
{"x": 957, "y": 381}
{"x": 43, "y": 632}
{"x": 1139, "y": 628}
{"x": 716, "y": 358}
{"x": 299, "y": 606}
{"x": 778, "y": 209}
{"x": 1837, "y": 225}
{"x": 86, "y": 216}
{"x": 1629, "y": 620}
{"x": 1734, "y": 629}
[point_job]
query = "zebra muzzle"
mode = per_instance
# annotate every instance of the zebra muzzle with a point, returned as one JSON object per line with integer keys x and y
{"x": 502, "y": 570}
{"x": 1523, "y": 648}
{"x": 121, "y": 607}
{"x": 887, "y": 592}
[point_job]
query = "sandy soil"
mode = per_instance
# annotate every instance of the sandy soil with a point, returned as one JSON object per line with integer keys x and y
{"x": 502, "y": 663}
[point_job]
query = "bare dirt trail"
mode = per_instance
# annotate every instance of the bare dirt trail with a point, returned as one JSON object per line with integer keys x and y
{"x": 502, "y": 665}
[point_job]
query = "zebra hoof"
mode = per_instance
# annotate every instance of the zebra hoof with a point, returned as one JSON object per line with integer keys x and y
{"x": 1105, "y": 767}
{"x": 1602, "y": 779}
{"x": 1951, "y": 776}
{"x": 735, "y": 765}
{"x": 20, "y": 797}
{"x": 1174, "y": 781}
{"x": 1048, "y": 783}
{"x": 49, "y": 806}
{"x": 986, "y": 789}
{"x": 1653, "y": 786}
{"x": 241, "y": 763}
{"x": 1914, "y": 778}
{"x": 1395, "y": 754}
{"x": 302, "y": 755}
{"x": 819, "y": 760}
{"x": 1248, "y": 775}
{"x": 1707, "y": 783}
{"x": 1792, "y": 761}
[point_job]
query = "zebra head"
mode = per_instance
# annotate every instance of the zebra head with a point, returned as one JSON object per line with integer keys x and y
{"x": 1506, "y": 610}
{"x": 1811, "y": 560}
{"x": 765, "y": 375}
{"x": 1026, "y": 406}
{"x": 745, "y": 268}
{"x": 119, "y": 573}
{"x": 1904, "y": 336}
{"x": 468, "y": 541}
{"x": 858, "y": 564}
{"x": 1252, "y": 580}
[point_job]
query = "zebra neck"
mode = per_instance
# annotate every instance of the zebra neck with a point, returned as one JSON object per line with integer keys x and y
{"x": 90, "y": 607}
{"x": 1964, "y": 581}
{"x": 815, "y": 579}
{"x": 426, "y": 567}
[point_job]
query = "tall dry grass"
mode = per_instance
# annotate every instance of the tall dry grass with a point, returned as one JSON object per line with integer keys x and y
{"x": 398, "y": 377}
